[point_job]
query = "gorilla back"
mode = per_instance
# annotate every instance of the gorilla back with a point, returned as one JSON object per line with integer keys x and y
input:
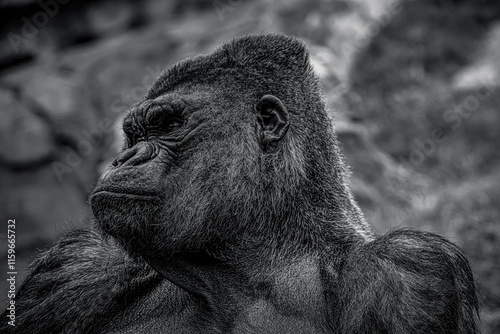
{"x": 228, "y": 211}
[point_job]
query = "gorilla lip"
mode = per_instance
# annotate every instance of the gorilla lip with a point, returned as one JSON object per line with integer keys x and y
{"x": 126, "y": 192}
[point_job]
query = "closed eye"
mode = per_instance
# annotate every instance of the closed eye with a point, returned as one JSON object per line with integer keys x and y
{"x": 174, "y": 124}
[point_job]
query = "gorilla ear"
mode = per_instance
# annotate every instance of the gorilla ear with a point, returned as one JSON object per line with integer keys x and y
{"x": 272, "y": 120}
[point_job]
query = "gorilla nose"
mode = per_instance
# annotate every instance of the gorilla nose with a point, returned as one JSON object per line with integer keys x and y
{"x": 135, "y": 156}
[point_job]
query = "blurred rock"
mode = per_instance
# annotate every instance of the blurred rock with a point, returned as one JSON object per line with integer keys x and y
{"x": 485, "y": 70}
{"x": 24, "y": 137}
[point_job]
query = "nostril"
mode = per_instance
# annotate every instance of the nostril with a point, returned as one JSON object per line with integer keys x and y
{"x": 135, "y": 156}
{"x": 123, "y": 157}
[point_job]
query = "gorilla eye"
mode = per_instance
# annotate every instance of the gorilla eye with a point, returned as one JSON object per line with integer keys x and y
{"x": 173, "y": 125}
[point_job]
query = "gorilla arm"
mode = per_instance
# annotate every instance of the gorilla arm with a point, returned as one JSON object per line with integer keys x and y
{"x": 407, "y": 282}
{"x": 85, "y": 284}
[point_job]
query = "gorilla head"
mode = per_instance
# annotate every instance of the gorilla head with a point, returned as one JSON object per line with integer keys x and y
{"x": 225, "y": 149}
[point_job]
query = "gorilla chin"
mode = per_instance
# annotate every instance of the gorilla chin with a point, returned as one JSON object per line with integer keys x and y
{"x": 122, "y": 214}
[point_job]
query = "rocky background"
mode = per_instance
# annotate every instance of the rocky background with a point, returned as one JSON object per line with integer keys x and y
{"x": 414, "y": 87}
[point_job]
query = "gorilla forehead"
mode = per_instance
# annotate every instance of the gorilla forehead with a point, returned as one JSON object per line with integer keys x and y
{"x": 177, "y": 102}
{"x": 256, "y": 64}
{"x": 194, "y": 102}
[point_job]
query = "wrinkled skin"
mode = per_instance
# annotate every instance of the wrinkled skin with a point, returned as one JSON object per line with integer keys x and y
{"x": 228, "y": 211}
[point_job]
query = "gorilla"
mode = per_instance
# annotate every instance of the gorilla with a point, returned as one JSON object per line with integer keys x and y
{"x": 228, "y": 211}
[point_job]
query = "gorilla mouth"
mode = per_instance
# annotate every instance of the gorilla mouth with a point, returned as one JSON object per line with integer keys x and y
{"x": 134, "y": 193}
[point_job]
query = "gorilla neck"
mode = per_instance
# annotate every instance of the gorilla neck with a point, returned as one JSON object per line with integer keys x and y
{"x": 230, "y": 288}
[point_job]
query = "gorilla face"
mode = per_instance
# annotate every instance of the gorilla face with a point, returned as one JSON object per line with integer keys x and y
{"x": 189, "y": 171}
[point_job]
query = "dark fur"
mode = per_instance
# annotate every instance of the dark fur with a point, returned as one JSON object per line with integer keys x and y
{"x": 407, "y": 282}
{"x": 246, "y": 234}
